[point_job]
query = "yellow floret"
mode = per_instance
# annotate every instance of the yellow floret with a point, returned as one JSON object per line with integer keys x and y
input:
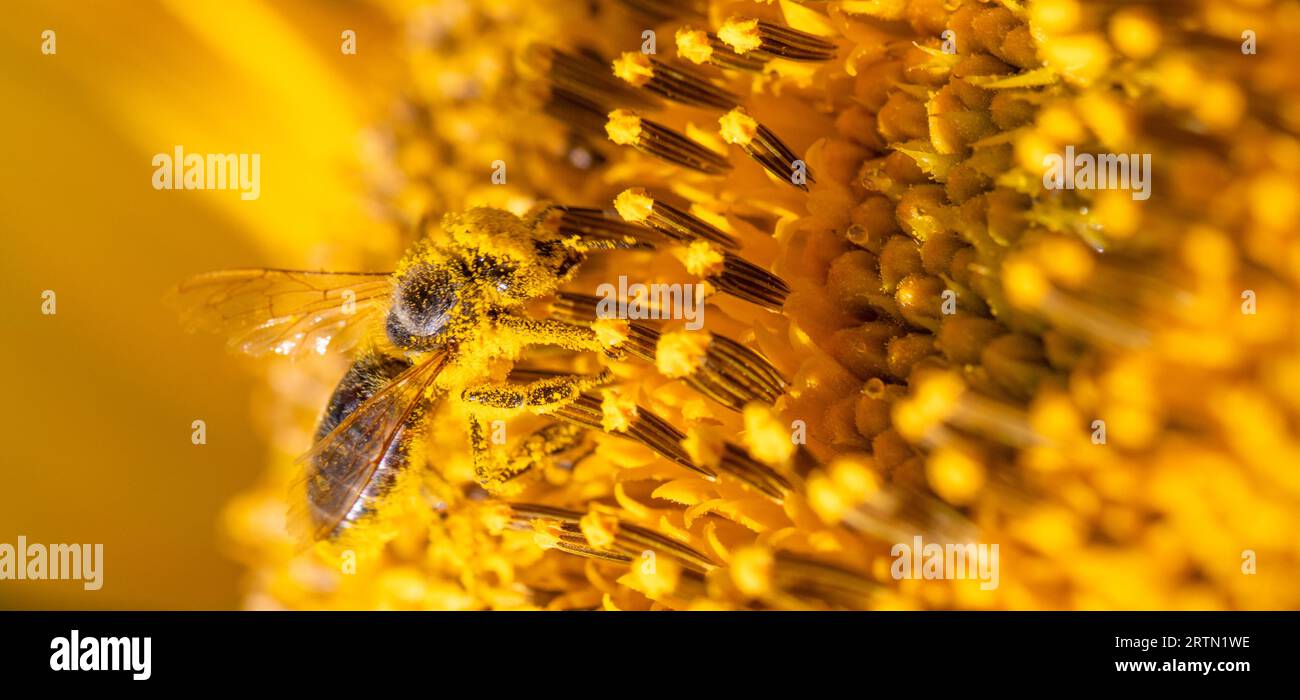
{"x": 680, "y": 353}
{"x": 704, "y": 446}
{"x": 741, "y": 34}
{"x": 701, "y": 258}
{"x": 766, "y": 437}
{"x": 751, "y": 571}
{"x": 599, "y": 528}
{"x": 612, "y": 332}
{"x": 737, "y": 127}
{"x": 634, "y": 67}
{"x": 617, "y": 411}
{"x": 623, "y": 127}
{"x": 633, "y": 204}
{"x": 693, "y": 45}
{"x": 956, "y": 476}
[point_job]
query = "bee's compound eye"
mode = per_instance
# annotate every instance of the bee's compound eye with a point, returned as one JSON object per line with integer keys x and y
{"x": 422, "y": 304}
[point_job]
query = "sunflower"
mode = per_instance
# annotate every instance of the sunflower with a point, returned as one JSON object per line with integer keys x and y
{"x": 1102, "y": 384}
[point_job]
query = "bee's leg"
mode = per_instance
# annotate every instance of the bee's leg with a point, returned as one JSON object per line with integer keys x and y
{"x": 539, "y": 396}
{"x": 589, "y": 244}
{"x": 492, "y": 468}
{"x": 552, "y": 332}
{"x": 542, "y": 444}
{"x": 486, "y": 461}
{"x": 564, "y": 397}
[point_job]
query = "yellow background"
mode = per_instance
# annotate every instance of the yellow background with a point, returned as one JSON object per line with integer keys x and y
{"x": 98, "y": 399}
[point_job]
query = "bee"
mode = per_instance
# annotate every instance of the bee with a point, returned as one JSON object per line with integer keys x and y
{"x": 452, "y": 322}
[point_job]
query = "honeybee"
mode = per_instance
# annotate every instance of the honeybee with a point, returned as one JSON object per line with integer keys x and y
{"x": 450, "y": 323}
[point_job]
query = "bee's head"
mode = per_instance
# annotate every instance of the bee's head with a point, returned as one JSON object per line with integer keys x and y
{"x": 423, "y": 301}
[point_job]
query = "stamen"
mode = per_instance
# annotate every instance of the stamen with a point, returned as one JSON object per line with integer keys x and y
{"x": 580, "y": 309}
{"x": 730, "y": 373}
{"x": 1029, "y": 286}
{"x": 630, "y": 540}
{"x": 700, "y": 47}
{"x": 754, "y": 37}
{"x": 792, "y": 571}
{"x": 571, "y": 108}
{"x": 646, "y": 428}
{"x": 738, "y": 128}
{"x": 638, "y": 207}
{"x": 665, "y": 440}
{"x": 635, "y": 539}
{"x": 735, "y": 375}
{"x": 628, "y": 129}
{"x": 598, "y": 231}
{"x": 578, "y": 546}
{"x": 534, "y": 511}
{"x": 745, "y": 280}
{"x": 733, "y": 274}
{"x": 737, "y": 462}
{"x": 671, "y": 82}
{"x": 661, "y": 11}
{"x": 587, "y": 76}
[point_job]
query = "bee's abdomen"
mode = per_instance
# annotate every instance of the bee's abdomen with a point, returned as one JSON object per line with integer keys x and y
{"x": 336, "y": 499}
{"x": 368, "y": 374}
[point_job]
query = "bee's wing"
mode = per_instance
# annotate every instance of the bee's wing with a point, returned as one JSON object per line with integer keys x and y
{"x": 286, "y": 312}
{"x": 340, "y": 465}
